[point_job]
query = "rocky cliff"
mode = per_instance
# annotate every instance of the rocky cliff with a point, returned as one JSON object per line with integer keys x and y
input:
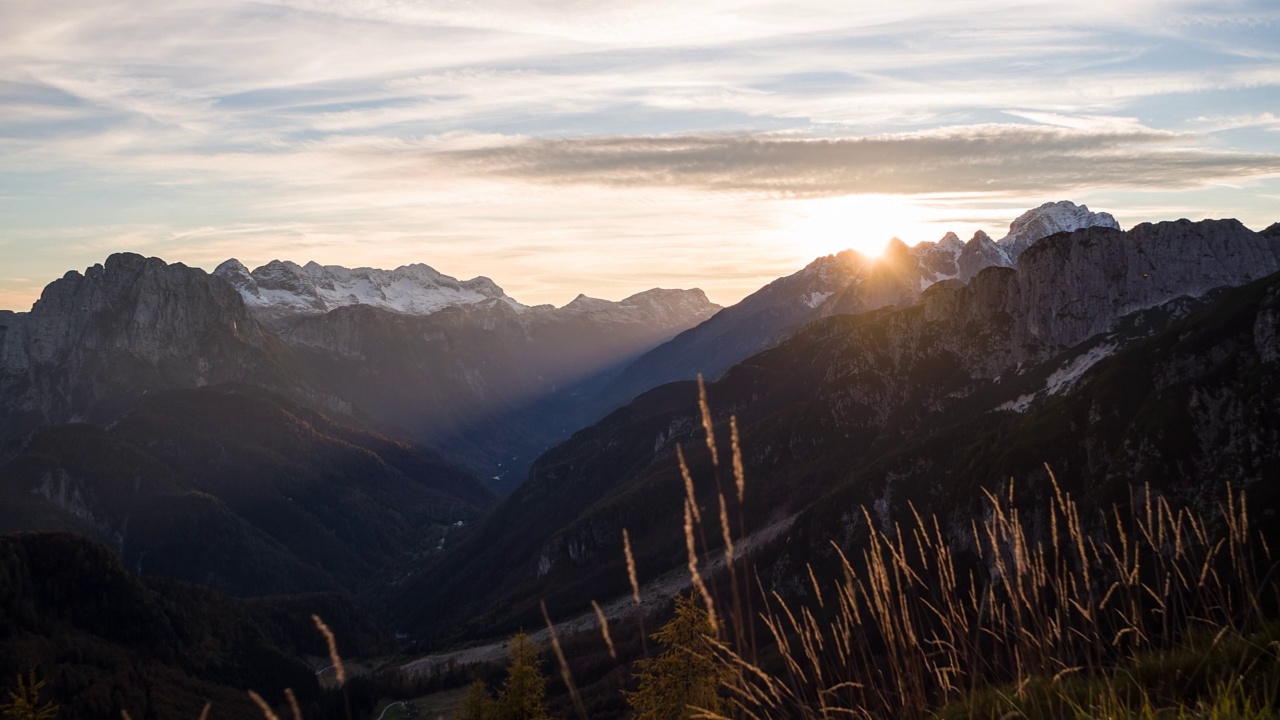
{"x": 96, "y": 342}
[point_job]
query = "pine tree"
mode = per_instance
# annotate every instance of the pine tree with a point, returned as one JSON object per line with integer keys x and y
{"x": 478, "y": 704}
{"x": 24, "y": 703}
{"x": 685, "y": 677}
{"x": 522, "y": 694}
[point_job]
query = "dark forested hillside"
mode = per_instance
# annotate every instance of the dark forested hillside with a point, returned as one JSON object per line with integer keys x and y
{"x": 239, "y": 489}
{"x": 108, "y": 641}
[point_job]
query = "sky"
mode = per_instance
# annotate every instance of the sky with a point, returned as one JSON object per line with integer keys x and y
{"x": 609, "y": 146}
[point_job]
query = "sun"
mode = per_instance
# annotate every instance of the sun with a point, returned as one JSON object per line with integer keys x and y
{"x": 864, "y": 223}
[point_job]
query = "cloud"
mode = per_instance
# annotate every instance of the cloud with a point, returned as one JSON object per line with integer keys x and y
{"x": 979, "y": 158}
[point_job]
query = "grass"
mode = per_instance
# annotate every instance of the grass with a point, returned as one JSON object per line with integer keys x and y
{"x": 1229, "y": 676}
{"x": 1146, "y": 610}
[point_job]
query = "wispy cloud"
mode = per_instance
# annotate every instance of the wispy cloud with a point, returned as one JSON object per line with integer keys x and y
{"x": 984, "y": 158}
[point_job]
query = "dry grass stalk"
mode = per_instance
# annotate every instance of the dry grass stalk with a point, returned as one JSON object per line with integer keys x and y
{"x": 604, "y": 629}
{"x": 631, "y": 567}
{"x": 739, "y": 475}
{"x": 635, "y": 589}
{"x": 689, "y": 494}
{"x": 339, "y": 671}
{"x": 267, "y": 712}
{"x": 706, "y": 421}
{"x": 912, "y": 627}
{"x": 694, "y": 575}
{"x": 565, "y": 674}
{"x": 293, "y": 703}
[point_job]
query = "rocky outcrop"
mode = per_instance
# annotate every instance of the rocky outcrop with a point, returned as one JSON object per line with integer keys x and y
{"x": 95, "y": 342}
{"x": 941, "y": 258}
{"x": 1266, "y": 327}
{"x": 979, "y": 253}
{"x": 1073, "y": 286}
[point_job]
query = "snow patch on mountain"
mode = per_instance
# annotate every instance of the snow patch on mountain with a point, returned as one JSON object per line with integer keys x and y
{"x": 814, "y": 299}
{"x": 1066, "y": 376}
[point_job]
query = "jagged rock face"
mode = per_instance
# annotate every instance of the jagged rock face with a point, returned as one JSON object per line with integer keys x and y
{"x": 941, "y": 258}
{"x": 1073, "y": 286}
{"x": 95, "y": 342}
{"x": 1266, "y": 328}
{"x": 1049, "y": 219}
{"x": 979, "y": 253}
{"x": 283, "y": 288}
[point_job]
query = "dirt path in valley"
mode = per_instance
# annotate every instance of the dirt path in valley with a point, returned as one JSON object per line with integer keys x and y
{"x": 652, "y": 596}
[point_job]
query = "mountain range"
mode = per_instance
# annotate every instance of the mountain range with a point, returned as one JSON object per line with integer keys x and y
{"x": 484, "y": 379}
{"x": 848, "y": 282}
{"x": 448, "y": 458}
{"x": 924, "y": 403}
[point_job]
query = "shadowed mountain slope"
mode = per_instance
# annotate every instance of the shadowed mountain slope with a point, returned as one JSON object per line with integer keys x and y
{"x": 864, "y": 406}
{"x": 239, "y": 489}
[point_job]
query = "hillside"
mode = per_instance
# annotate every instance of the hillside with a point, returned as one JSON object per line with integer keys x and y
{"x": 108, "y": 641}
{"x": 240, "y": 489}
{"x": 1153, "y": 378}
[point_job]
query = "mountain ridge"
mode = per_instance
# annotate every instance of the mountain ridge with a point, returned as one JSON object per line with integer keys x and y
{"x": 844, "y": 388}
{"x": 845, "y": 282}
{"x": 283, "y": 289}
{"x": 97, "y": 342}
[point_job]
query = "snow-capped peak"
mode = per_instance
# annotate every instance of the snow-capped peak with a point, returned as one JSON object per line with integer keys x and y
{"x": 1050, "y": 218}
{"x": 951, "y": 242}
{"x": 282, "y": 287}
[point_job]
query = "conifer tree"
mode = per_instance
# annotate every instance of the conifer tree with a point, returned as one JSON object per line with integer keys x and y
{"x": 24, "y": 703}
{"x": 524, "y": 690}
{"x": 685, "y": 677}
